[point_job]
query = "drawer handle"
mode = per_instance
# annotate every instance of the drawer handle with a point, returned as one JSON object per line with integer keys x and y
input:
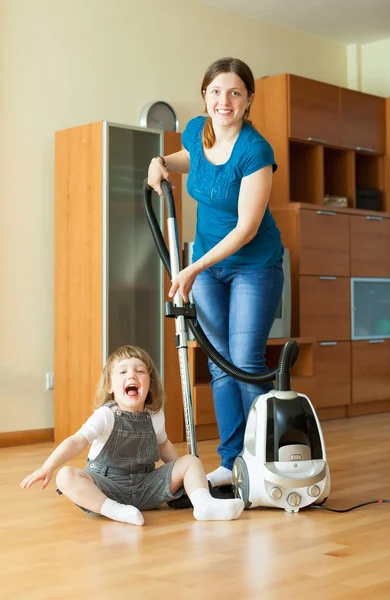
{"x": 376, "y": 341}
{"x": 371, "y": 218}
{"x": 328, "y": 213}
{"x": 327, "y": 277}
{"x": 318, "y": 140}
{"x": 328, "y": 343}
{"x": 363, "y": 149}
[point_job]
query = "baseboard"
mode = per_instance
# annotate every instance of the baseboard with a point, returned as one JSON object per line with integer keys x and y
{"x": 25, "y": 438}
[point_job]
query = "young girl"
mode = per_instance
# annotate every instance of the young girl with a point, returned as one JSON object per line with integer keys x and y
{"x": 128, "y": 436}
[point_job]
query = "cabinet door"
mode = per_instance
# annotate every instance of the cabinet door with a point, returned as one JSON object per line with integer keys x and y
{"x": 332, "y": 367}
{"x": 370, "y": 371}
{"x": 370, "y": 246}
{"x": 323, "y": 243}
{"x": 314, "y": 110}
{"x": 363, "y": 123}
{"x": 324, "y": 308}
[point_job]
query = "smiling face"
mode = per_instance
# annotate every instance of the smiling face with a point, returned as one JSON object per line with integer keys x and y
{"x": 130, "y": 384}
{"x": 226, "y": 99}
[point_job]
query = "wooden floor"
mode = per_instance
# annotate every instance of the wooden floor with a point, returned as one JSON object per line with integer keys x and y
{"x": 50, "y": 550}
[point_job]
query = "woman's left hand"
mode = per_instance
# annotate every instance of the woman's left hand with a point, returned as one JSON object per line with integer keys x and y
{"x": 183, "y": 283}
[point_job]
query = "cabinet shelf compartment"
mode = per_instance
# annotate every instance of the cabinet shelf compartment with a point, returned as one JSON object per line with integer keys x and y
{"x": 306, "y": 172}
{"x": 339, "y": 174}
{"x": 369, "y": 174}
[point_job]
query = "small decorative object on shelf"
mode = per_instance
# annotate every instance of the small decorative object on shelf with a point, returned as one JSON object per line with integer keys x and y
{"x": 337, "y": 201}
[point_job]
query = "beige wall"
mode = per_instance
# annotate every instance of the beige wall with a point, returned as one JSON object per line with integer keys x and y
{"x": 68, "y": 62}
{"x": 375, "y": 68}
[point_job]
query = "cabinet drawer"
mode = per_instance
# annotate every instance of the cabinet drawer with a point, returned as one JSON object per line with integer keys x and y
{"x": 324, "y": 243}
{"x": 324, "y": 308}
{"x": 332, "y": 368}
{"x": 370, "y": 246}
{"x": 370, "y": 371}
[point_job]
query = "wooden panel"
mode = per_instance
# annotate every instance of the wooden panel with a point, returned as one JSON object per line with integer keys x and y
{"x": 306, "y": 173}
{"x": 334, "y": 412}
{"x": 370, "y": 371}
{"x": 174, "y": 414}
{"x": 78, "y": 274}
{"x": 332, "y": 364}
{"x": 386, "y": 199}
{"x": 269, "y": 116}
{"x": 363, "y": 121}
{"x": 314, "y": 110}
{"x": 325, "y": 308}
{"x": 203, "y": 404}
{"x": 368, "y": 408}
{"x": 25, "y": 438}
{"x": 370, "y": 246}
{"x": 287, "y": 222}
{"x": 324, "y": 243}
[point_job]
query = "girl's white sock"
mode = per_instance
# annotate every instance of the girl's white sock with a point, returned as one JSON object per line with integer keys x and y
{"x": 207, "y": 508}
{"x": 221, "y": 476}
{"x": 121, "y": 512}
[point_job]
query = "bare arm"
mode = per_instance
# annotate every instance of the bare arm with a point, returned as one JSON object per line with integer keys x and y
{"x": 179, "y": 162}
{"x": 253, "y": 199}
{"x": 68, "y": 449}
{"x": 168, "y": 452}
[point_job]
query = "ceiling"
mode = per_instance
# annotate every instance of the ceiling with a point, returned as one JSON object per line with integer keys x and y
{"x": 345, "y": 21}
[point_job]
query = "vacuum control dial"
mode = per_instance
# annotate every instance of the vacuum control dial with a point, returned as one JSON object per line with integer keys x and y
{"x": 294, "y": 499}
{"x": 275, "y": 493}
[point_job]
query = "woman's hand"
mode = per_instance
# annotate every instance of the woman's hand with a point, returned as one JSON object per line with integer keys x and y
{"x": 42, "y": 474}
{"x": 183, "y": 282}
{"x": 156, "y": 173}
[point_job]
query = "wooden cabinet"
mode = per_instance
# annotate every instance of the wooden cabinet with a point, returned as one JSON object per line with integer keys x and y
{"x": 327, "y": 140}
{"x": 370, "y": 246}
{"x": 332, "y": 368}
{"x": 324, "y": 308}
{"x": 370, "y": 371}
{"x": 100, "y": 223}
{"x": 323, "y": 243}
{"x": 363, "y": 121}
{"x": 314, "y": 111}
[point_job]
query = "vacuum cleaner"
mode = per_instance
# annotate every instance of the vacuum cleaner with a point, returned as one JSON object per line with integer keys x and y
{"x": 283, "y": 461}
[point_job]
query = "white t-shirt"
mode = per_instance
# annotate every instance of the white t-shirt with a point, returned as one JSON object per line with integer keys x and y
{"x": 100, "y": 424}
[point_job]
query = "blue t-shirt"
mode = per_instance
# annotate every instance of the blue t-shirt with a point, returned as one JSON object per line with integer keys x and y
{"x": 216, "y": 189}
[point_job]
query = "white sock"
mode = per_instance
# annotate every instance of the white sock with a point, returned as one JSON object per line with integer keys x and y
{"x": 207, "y": 508}
{"x": 221, "y": 476}
{"x": 121, "y": 512}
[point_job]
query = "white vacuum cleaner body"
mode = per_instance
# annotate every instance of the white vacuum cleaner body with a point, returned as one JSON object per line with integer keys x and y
{"x": 283, "y": 462}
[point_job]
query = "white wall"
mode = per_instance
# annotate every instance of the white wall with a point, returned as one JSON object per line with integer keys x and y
{"x": 375, "y": 68}
{"x": 68, "y": 62}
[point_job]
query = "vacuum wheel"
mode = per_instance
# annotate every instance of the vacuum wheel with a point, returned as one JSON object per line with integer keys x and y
{"x": 240, "y": 480}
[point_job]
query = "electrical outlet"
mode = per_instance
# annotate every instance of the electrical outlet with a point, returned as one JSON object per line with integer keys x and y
{"x": 50, "y": 381}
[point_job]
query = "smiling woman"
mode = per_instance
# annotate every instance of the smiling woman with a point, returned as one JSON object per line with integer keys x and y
{"x": 236, "y": 272}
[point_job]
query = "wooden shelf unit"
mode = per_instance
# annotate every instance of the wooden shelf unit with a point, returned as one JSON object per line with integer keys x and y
{"x": 79, "y": 269}
{"x": 327, "y": 139}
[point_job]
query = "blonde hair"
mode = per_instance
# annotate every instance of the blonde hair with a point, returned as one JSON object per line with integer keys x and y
{"x": 155, "y": 397}
{"x": 225, "y": 65}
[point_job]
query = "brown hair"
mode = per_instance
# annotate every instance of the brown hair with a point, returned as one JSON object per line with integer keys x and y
{"x": 155, "y": 397}
{"x": 225, "y": 65}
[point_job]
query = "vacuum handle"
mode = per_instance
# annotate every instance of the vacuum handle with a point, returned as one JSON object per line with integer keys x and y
{"x": 169, "y": 199}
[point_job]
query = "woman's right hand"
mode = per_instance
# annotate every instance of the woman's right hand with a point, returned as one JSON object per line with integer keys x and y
{"x": 156, "y": 173}
{"x": 42, "y": 474}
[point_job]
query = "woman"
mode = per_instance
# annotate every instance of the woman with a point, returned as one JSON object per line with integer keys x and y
{"x": 236, "y": 272}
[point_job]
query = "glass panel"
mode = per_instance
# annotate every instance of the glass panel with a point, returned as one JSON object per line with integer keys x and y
{"x": 135, "y": 269}
{"x": 370, "y": 308}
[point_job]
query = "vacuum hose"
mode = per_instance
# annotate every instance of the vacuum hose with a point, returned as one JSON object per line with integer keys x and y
{"x": 290, "y": 350}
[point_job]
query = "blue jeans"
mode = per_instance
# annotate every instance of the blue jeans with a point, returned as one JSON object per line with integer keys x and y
{"x": 236, "y": 309}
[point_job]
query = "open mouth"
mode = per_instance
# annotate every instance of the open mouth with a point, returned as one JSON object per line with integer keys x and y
{"x": 131, "y": 389}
